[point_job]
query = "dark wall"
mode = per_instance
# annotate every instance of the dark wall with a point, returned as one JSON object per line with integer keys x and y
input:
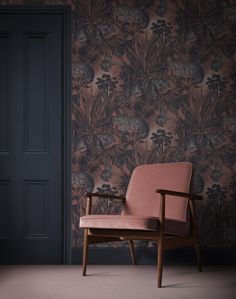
{"x": 155, "y": 81}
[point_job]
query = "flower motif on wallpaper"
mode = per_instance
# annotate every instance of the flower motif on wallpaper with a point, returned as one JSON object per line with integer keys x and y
{"x": 162, "y": 139}
{"x": 130, "y": 126}
{"x": 217, "y": 84}
{"x": 107, "y": 84}
{"x": 188, "y": 70}
{"x": 162, "y": 29}
{"x": 131, "y": 18}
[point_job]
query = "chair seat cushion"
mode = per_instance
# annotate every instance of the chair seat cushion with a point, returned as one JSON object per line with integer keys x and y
{"x": 119, "y": 222}
{"x": 131, "y": 222}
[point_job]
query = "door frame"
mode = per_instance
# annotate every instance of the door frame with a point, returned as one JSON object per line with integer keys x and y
{"x": 65, "y": 12}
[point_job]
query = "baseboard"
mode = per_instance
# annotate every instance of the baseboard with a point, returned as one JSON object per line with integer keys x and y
{"x": 147, "y": 256}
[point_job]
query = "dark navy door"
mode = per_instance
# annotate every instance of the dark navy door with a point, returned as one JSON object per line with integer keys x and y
{"x": 30, "y": 138}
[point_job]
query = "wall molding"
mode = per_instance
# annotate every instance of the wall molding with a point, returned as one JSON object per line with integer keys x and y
{"x": 147, "y": 256}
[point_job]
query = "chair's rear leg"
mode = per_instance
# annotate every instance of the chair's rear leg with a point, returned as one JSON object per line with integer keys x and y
{"x": 85, "y": 251}
{"x": 198, "y": 255}
{"x": 132, "y": 253}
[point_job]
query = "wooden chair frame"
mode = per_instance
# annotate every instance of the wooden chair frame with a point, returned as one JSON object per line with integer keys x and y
{"x": 164, "y": 241}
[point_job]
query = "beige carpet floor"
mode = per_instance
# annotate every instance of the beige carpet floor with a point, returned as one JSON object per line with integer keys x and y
{"x": 113, "y": 282}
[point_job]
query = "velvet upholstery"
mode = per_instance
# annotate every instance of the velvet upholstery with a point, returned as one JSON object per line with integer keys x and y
{"x": 141, "y": 198}
{"x": 120, "y": 222}
{"x": 129, "y": 222}
{"x": 141, "y": 208}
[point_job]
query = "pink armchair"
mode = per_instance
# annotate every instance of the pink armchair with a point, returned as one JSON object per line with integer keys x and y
{"x": 157, "y": 207}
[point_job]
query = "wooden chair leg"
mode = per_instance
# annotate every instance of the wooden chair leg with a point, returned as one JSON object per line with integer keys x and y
{"x": 195, "y": 234}
{"x": 160, "y": 241}
{"x": 198, "y": 255}
{"x": 160, "y": 250}
{"x": 85, "y": 251}
{"x": 132, "y": 253}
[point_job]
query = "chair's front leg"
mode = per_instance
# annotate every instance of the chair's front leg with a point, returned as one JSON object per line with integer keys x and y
{"x": 85, "y": 251}
{"x": 160, "y": 250}
{"x": 160, "y": 243}
{"x": 86, "y": 237}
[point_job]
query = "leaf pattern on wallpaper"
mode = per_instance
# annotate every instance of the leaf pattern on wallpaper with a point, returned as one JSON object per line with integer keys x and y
{"x": 154, "y": 81}
{"x": 164, "y": 76}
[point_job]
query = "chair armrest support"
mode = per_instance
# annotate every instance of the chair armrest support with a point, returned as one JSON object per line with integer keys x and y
{"x": 100, "y": 195}
{"x": 179, "y": 194}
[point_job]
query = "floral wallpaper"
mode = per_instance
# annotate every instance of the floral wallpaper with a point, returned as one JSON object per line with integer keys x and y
{"x": 154, "y": 81}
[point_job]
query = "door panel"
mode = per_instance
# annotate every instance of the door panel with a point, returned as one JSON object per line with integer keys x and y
{"x": 4, "y": 112}
{"x": 31, "y": 138}
{"x": 36, "y": 94}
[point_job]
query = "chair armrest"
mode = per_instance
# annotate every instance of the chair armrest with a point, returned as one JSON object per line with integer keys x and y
{"x": 179, "y": 194}
{"x": 91, "y": 194}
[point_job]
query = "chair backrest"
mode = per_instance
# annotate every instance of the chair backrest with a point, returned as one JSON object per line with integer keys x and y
{"x": 141, "y": 198}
